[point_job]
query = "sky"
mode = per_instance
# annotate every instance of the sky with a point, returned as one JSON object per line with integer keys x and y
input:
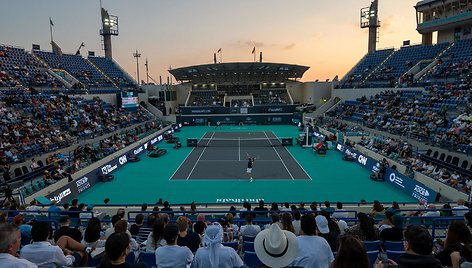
{"x": 322, "y": 34}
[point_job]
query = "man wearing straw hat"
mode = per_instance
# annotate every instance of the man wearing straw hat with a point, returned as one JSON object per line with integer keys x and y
{"x": 276, "y": 247}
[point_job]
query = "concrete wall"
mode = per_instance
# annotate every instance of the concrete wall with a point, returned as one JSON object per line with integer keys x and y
{"x": 182, "y": 93}
{"x": 446, "y": 36}
{"x": 110, "y": 98}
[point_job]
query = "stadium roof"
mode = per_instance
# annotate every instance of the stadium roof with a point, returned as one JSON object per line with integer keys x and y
{"x": 239, "y": 72}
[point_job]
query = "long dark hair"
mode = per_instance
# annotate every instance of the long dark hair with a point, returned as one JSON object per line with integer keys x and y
{"x": 92, "y": 232}
{"x": 366, "y": 224}
{"x": 351, "y": 254}
{"x": 458, "y": 233}
{"x": 157, "y": 230}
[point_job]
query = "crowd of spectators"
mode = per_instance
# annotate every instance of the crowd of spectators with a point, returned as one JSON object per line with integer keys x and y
{"x": 241, "y": 103}
{"x": 41, "y": 123}
{"x": 429, "y": 118}
{"x": 311, "y": 237}
{"x": 402, "y": 152}
{"x": 206, "y": 98}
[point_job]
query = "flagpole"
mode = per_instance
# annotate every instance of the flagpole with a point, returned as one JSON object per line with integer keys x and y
{"x": 50, "y": 28}
{"x": 254, "y": 52}
{"x": 221, "y": 55}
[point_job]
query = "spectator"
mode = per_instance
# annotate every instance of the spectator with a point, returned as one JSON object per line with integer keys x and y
{"x": 296, "y": 222}
{"x": 364, "y": 229}
{"x": 458, "y": 238}
{"x": 66, "y": 230}
{"x": 116, "y": 249}
{"x": 395, "y": 233}
{"x": 313, "y": 251}
{"x": 249, "y": 229}
{"x": 167, "y": 209}
{"x": 93, "y": 234}
{"x": 339, "y": 213}
{"x": 10, "y": 238}
{"x": 460, "y": 209}
{"x": 418, "y": 245}
{"x": 214, "y": 254}
{"x": 287, "y": 222}
{"x": 261, "y": 210}
{"x": 66, "y": 252}
{"x": 171, "y": 255}
{"x": 322, "y": 230}
{"x": 25, "y": 229}
{"x": 139, "y": 222}
{"x": 328, "y": 207}
{"x": 377, "y": 209}
{"x": 155, "y": 238}
{"x": 187, "y": 237}
{"x": 75, "y": 209}
{"x": 351, "y": 254}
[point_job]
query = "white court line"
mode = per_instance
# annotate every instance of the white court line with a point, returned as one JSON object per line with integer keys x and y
{"x": 279, "y": 156}
{"x": 217, "y": 160}
{"x": 296, "y": 160}
{"x": 239, "y": 148}
{"x": 196, "y": 163}
{"x": 186, "y": 158}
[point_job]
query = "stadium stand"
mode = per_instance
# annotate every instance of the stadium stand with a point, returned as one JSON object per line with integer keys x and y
{"x": 78, "y": 67}
{"x": 113, "y": 71}
{"x": 19, "y": 68}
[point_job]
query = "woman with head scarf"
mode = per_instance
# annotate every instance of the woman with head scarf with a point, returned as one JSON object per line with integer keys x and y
{"x": 214, "y": 254}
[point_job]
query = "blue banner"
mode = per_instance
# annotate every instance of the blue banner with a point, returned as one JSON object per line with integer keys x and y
{"x": 72, "y": 189}
{"x": 395, "y": 178}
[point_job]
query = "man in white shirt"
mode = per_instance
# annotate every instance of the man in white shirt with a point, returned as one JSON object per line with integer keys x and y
{"x": 10, "y": 241}
{"x": 432, "y": 212}
{"x": 461, "y": 209}
{"x": 43, "y": 254}
{"x": 172, "y": 255}
{"x": 313, "y": 251}
{"x": 249, "y": 229}
{"x": 339, "y": 212}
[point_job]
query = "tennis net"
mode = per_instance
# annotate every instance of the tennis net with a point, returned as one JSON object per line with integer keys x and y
{"x": 253, "y": 142}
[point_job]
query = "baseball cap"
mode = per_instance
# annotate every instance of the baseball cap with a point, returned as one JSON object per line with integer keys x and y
{"x": 322, "y": 224}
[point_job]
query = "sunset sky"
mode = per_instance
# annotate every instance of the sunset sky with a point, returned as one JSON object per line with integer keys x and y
{"x": 322, "y": 34}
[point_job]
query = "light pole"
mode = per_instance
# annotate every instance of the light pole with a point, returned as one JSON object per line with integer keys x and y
{"x": 137, "y": 55}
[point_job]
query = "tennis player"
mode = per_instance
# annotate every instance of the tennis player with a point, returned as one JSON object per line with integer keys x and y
{"x": 250, "y": 163}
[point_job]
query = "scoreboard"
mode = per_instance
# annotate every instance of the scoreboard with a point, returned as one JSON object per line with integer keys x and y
{"x": 129, "y": 100}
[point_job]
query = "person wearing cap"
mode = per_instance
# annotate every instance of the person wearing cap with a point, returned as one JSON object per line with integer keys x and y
{"x": 172, "y": 255}
{"x": 276, "y": 247}
{"x": 66, "y": 230}
{"x": 214, "y": 254}
{"x": 313, "y": 251}
{"x": 10, "y": 238}
{"x": 322, "y": 230}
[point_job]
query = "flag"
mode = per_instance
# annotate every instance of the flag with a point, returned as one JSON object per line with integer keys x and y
{"x": 50, "y": 21}
{"x": 254, "y": 50}
{"x": 219, "y": 50}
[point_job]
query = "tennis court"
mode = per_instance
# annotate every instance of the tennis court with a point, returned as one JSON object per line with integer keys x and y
{"x": 224, "y": 181}
{"x": 224, "y": 156}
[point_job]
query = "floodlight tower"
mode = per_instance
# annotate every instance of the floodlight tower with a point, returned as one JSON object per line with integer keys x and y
{"x": 109, "y": 28}
{"x": 370, "y": 19}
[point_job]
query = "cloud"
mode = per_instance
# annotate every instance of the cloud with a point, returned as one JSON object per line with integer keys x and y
{"x": 259, "y": 44}
{"x": 289, "y": 46}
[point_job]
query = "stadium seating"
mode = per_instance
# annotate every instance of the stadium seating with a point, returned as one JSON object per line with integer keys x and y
{"x": 365, "y": 66}
{"x": 78, "y": 67}
{"x": 19, "y": 68}
{"x": 113, "y": 71}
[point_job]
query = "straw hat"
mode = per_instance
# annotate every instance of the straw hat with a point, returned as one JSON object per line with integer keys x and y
{"x": 276, "y": 247}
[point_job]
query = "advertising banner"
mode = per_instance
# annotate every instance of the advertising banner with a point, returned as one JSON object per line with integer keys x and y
{"x": 395, "y": 178}
{"x": 72, "y": 189}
